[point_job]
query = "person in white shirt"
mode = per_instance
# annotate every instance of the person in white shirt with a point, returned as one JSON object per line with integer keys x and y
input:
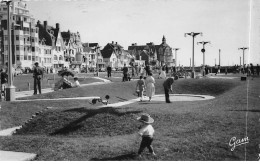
{"x": 76, "y": 83}
{"x": 147, "y": 132}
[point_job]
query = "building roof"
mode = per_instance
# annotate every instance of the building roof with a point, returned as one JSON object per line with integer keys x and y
{"x": 45, "y": 34}
{"x": 106, "y": 53}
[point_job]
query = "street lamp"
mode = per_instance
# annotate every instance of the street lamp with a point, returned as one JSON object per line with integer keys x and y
{"x": 203, "y": 51}
{"x": 10, "y": 89}
{"x": 193, "y": 34}
{"x": 243, "y": 48}
{"x": 176, "y": 49}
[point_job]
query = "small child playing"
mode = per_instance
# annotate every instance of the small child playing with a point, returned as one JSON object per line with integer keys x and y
{"x": 146, "y": 132}
{"x": 140, "y": 86}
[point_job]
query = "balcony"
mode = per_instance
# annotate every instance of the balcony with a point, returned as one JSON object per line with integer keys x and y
{"x": 76, "y": 62}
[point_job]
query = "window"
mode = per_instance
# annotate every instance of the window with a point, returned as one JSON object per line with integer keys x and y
{"x": 17, "y": 57}
{"x": 17, "y": 37}
{"x": 33, "y": 58}
{"x": 6, "y": 48}
{"x": 29, "y": 58}
{"x": 5, "y": 38}
{"x": 33, "y": 49}
{"x": 32, "y": 39}
{"x": 25, "y": 57}
{"x": 60, "y": 58}
{"x": 36, "y": 58}
{"x": 55, "y": 57}
{"x": 17, "y": 47}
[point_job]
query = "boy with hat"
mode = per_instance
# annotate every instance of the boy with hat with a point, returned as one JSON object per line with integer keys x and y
{"x": 146, "y": 132}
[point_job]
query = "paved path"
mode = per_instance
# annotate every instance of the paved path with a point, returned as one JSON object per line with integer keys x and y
{"x": 16, "y": 156}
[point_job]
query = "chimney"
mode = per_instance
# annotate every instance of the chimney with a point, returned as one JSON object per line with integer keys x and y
{"x": 112, "y": 42}
{"x": 133, "y": 44}
{"x": 45, "y": 24}
{"x": 116, "y": 43}
{"x": 57, "y": 26}
{"x": 38, "y": 22}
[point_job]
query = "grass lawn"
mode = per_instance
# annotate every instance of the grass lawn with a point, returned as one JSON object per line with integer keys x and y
{"x": 22, "y": 82}
{"x": 199, "y": 130}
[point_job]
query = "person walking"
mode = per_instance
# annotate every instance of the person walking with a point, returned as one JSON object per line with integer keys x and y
{"x": 147, "y": 69}
{"x": 37, "y": 75}
{"x": 4, "y": 80}
{"x": 125, "y": 71}
{"x": 257, "y": 69}
{"x": 147, "y": 133}
{"x": 150, "y": 88}
{"x": 167, "y": 88}
{"x": 109, "y": 69}
{"x": 140, "y": 87}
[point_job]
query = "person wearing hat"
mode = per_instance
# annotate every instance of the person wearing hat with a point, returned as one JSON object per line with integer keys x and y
{"x": 76, "y": 82}
{"x": 37, "y": 75}
{"x": 147, "y": 132}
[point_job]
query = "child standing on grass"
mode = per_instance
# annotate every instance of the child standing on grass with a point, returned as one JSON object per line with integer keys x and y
{"x": 140, "y": 86}
{"x": 147, "y": 133}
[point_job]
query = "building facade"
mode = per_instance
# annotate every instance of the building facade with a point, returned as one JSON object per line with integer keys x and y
{"x": 115, "y": 56}
{"x": 73, "y": 53}
{"x": 93, "y": 56}
{"x": 24, "y": 35}
{"x": 153, "y": 54}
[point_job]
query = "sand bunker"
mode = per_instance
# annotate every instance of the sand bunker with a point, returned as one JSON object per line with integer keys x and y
{"x": 182, "y": 97}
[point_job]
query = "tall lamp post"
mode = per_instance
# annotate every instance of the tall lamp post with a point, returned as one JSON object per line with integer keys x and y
{"x": 203, "y": 51}
{"x": 243, "y": 48}
{"x": 193, "y": 34}
{"x": 10, "y": 89}
{"x": 176, "y": 49}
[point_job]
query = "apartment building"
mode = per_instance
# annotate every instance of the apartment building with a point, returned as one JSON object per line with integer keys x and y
{"x": 153, "y": 54}
{"x": 93, "y": 56}
{"x": 24, "y": 35}
{"x": 73, "y": 52}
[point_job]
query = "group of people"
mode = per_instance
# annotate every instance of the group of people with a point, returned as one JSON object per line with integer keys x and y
{"x": 147, "y": 85}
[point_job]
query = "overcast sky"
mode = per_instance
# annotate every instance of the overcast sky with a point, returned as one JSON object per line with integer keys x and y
{"x": 225, "y": 23}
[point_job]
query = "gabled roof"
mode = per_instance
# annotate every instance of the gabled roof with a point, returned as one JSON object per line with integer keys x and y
{"x": 45, "y": 34}
{"x": 107, "y": 53}
{"x": 87, "y": 49}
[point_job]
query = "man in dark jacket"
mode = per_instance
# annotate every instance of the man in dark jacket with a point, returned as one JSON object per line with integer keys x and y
{"x": 37, "y": 75}
{"x": 109, "y": 70}
{"x": 167, "y": 88}
{"x": 125, "y": 71}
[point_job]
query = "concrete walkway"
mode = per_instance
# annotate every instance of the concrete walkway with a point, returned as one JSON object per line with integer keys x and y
{"x": 16, "y": 156}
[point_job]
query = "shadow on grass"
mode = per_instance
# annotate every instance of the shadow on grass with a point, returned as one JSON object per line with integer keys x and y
{"x": 130, "y": 156}
{"x": 245, "y": 110}
{"x": 73, "y": 126}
